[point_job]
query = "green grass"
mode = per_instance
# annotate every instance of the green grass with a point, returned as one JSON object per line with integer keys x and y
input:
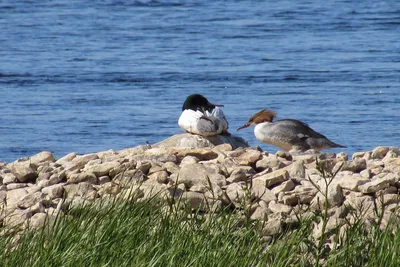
{"x": 147, "y": 234}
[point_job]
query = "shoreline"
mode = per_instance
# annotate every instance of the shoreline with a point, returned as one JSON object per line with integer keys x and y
{"x": 32, "y": 189}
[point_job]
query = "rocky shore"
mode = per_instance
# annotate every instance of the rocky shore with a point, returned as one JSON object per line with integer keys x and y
{"x": 207, "y": 174}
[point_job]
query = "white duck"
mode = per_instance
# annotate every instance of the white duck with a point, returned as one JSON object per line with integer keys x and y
{"x": 201, "y": 117}
{"x": 287, "y": 134}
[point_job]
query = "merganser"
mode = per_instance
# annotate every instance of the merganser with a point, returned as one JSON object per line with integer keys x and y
{"x": 201, "y": 117}
{"x": 287, "y": 134}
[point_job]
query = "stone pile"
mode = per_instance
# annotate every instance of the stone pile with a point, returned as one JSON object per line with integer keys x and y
{"x": 274, "y": 188}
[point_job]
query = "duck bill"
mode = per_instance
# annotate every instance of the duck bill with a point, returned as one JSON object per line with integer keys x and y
{"x": 244, "y": 126}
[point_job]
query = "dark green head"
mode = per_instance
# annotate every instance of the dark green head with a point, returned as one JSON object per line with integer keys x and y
{"x": 198, "y": 102}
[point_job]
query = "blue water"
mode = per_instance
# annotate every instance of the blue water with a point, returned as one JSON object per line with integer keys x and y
{"x": 88, "y": 76}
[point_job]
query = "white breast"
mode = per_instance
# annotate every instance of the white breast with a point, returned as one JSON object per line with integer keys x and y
{"x": 210, "y": 123}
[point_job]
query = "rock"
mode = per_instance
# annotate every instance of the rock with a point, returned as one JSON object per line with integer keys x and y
{"x": 16, "y": 186}
{"x": 53, "y": 191}
{"x": 245, "y": 157}
{"x": 350, "y": 181}
{"x": 191, "y": 174}
{"x": 297, "y": 170}
{"x": 84, "y": 190}
{"x": 15, "y": 196}
{"x": 277, "y": 207}
{"x": 144, "y": 166}
{"x": 269, "y": 162}
{"x": 38, "y": 221}
{"x": 392, "y": 165}
{"x": 334, "y": 197}
{"x": 391, "y": 199}
{"x": 380, "y": 152}
{"x": 30, "y": 200}
{"x": 359, "y": 155}
{"x": 260, "y": 213}
{"x": 76, "y": 178}
{"x": 260, "y": 192}
{"x": 110, "y": 188}
{"x": 79, "y": 162}
{"x": 9, "y": 178}
{"x": 237, "y": 175}
{"x": 284, "y": 155}
{"x": 196, "y": 141}
{"x": 283, "y": 187}
{"x": 189, "y": 160}
{"x": 199, "y": 153}
{"x": 379, "y": 182}
{"x": 236, "y": 194}
{"x": 17, "y": 218}
{"x": 270, "y": 179}
{"x": 104, "y": 179}
{"x": 194, "y": 200}
{"x": 342, "y": 156}
{"x": 23, "y": 170}
{"x": 102, "y": 169}
{"x": 171, "y": 167}
{"x": 129, "y": 178}
{"x": 161, "y": 177}
{"x": 366, "y": 174}
{"x": 273, "y": 226}
{"x": 41, "y": 158}
{"x": 58, "y": 177}
{"x": 67, "y": 158}
{"x": 160, "y": 155}
{"x": 355, "y": 165}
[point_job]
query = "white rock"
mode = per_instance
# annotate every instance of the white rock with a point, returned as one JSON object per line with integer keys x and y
{"x": 30, "y": 200}
{"x": 270, "y": 179}
{"x": 15, "y": 196}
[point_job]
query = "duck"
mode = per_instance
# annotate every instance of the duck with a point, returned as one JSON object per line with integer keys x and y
{"x": 199, "y": 116}
{"x": 287, "y": 134}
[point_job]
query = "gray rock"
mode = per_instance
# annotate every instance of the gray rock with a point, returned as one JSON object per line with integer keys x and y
{"x": 15, "y": 196}
{"x": 53, "y": 191}
{"x": 271, "y": 161}
{"x": 58, "y": 177}
{"x": 42, "y": 157}
{"x": 17, "y": 218}
{"x": 278, "y": 207}
{"x": 104, "y": 179}
{"x": 260, "y": 192}
{"x": 171, "y": 167}
{"x": 75, "y": 178}
{"x": 9, "y": 178}
{"x": 334, "y": 196}
{"x": 144, "y": 166}
{"x": 129, "y": 178}
{"x": 270, "y": 179}
{"x": 355, "y": 165}
{"x": 23, "y": 170}
{"x": 191, "y": 174}
{"x": 236, "y": 194}
{"x": 30, "y": 200}
{"x": 161, "y": 177}
{"x": 84, "y": 190}
{"x": 67, "y": 158}
{"x": 102, "y": 169}
{"x": 79, "y": 162}
{"x": 237, "y": 175}
{"x": 380, "y": 152}
{"x": 379, "y": 182}
{"x": 196, "y": 141}
{"x": 297, "y": 170}
{"x": 16, "y": 186}
{"x": 283, "y": 187}
{"x": 189, "y": 160}
{"x": 199, "y": 153}
{"x": 260, "y": 213}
